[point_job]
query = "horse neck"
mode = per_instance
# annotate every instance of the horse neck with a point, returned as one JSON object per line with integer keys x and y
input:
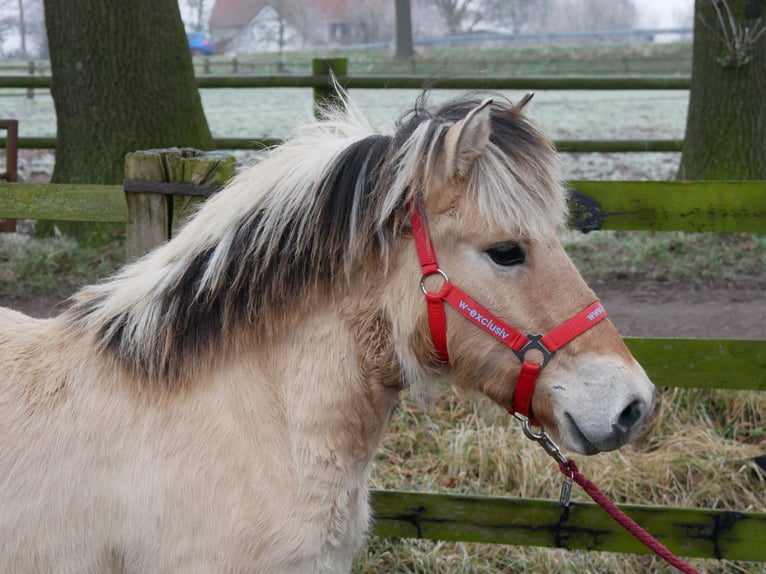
{"x": 335, "y": 380}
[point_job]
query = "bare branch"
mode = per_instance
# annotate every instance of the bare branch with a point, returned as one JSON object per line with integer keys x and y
{"x": 738, "y": 40}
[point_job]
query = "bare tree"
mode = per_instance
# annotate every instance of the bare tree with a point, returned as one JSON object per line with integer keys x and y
{"x": 460, "y": 16}
{"x": 197, "y": 8}
{"x": 517, "y": 15}
{"x": 7, "y": 22}
{"x": 24, "y": 19}
{"x": 404, "y": 48}
{"x": 592, "y": 14}
{"x": 22, "y": 29}
{"x": 375, "y": 20}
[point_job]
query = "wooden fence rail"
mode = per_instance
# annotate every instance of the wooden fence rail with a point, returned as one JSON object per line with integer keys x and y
{"x": 411, "y": 82}
{"x": 701, "y": 533}
{"x": 321, "y": 82}
{"x": 718, "y": 206}
{"x": 565, "y": 146}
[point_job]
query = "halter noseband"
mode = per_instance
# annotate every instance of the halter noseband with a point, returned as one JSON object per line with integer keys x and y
{"x": 519, "y": 343}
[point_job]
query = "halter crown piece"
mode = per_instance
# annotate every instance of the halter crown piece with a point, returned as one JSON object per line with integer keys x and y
{"x": 518, "y": 342}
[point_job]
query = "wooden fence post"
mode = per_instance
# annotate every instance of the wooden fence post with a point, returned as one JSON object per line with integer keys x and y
{"x": 162, "y": 186}
{"x": 326, "y": 95}
{"x": 208, "y": 171}
{"x": 11, "y": 128}
{"x": 31, "y": 70}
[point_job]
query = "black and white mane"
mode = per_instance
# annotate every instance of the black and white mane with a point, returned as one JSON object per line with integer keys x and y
{"x": 329, "y": 200}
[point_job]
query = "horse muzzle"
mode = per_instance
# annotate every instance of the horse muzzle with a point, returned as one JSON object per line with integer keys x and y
{"x": 621, "y": 400}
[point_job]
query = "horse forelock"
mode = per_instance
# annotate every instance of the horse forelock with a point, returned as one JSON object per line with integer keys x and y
{"x": 516, "y": 182}
{"x": 301, "y": 222}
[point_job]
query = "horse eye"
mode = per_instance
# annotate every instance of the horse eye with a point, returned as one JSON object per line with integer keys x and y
{"x": 507, "y": 254}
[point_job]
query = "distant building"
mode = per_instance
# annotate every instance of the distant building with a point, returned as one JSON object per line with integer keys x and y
{"x": 316, "y": 22}
{"x": 338, "y": 20}
{"x": 230, "y": 16}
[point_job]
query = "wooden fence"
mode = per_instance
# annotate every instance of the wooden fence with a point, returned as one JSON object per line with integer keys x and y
{"x": 11, "y": 128}
{"x": 320, "y": 81}
{"x": 691, "y": 363}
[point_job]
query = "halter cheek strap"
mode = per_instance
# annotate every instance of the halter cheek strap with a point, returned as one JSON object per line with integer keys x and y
{"x": 518, "y": 342}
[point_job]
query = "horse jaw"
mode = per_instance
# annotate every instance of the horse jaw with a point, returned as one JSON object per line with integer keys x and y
{"x": 626, "y": 399}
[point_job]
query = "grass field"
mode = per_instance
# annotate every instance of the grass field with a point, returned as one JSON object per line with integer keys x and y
{"x": 488, "y": 57}
{"x": 597, "y": 59}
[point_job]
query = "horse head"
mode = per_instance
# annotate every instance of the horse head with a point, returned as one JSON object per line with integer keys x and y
{"x": 487, "y": 204}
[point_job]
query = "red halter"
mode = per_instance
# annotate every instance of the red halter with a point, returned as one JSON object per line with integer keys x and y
{"x": 519, "y": 343}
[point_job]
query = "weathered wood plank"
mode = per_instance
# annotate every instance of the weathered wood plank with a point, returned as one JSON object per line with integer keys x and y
{"x": 148, "y": 213}
{"x": 198, "y": 168}
{"x": 63, "y": 202}
{"x": 679, "y": 205}
{"x": 688, "y": 532}
{"x": 415, "y": 82}
{"x": 566, "y": 146}
{"x": 702, "y": 363}
{"x": 618, "y": 146}
{"x": 627, "y": 205}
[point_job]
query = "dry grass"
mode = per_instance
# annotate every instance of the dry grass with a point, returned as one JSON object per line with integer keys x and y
{"x": 695, "y": 452}
{"x": 31, "y": 266}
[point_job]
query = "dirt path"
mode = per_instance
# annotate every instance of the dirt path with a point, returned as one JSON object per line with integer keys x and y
{"x": 649, "y": 309}
{"x": 664, "y": 310}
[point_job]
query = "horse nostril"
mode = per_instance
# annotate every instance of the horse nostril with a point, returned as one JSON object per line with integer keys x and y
{"x": 630, "y": 416}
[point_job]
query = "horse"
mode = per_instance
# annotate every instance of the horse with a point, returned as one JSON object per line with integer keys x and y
{"x": 215, "y": 406}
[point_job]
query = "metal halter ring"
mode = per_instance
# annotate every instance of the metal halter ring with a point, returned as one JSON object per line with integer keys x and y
{"x": 423, "y": 280}
{"x": 535, "y": 344}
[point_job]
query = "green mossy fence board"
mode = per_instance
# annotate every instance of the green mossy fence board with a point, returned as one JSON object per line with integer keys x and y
{"x": 624, "y": 205}
{"x": 696, "y": 206}
{"x": 702, "y": 363}
{"x": 419, "y": 82}
{"x": 415, "y": 82}
{"x": 618, "y": 146}
{"x": 565, "y": 146}
{"x": 63, "y": 202}
{"x": 689, "y": 532}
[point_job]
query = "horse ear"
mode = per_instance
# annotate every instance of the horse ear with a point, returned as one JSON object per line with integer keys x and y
{"x": 521, "y": 103}
{"x": 467, "y": 140}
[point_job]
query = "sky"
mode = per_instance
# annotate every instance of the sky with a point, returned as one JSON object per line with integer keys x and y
{"x": 664, "y": 13}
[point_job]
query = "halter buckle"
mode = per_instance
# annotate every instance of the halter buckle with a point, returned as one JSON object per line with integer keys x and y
{"x": 535, "y": 344}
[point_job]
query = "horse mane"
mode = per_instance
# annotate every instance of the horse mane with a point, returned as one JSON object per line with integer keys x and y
{"x": 316, "y": 209}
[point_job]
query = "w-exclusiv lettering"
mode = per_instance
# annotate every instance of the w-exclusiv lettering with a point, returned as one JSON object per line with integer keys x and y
{"x": 486, "y": 322}
{"x": 595, "y": 313}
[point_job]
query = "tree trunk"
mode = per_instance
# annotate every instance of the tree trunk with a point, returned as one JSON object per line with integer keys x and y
{"x": 726, "y": 123}
{"x": 122, "y": 81}
{"x": 22, "y": 29}
{"x": 404, "y": 49}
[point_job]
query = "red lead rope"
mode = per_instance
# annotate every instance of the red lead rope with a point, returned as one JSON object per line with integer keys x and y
{"x": 624, "y": 520}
